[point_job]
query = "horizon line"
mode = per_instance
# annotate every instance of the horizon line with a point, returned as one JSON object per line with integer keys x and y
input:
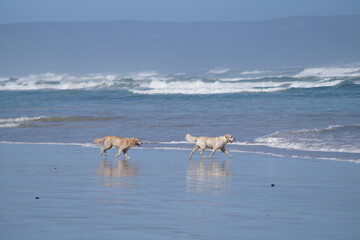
{"x": 185, "y": 21}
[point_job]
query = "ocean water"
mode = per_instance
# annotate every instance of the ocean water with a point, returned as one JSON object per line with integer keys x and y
{"x": 299, "y": 112}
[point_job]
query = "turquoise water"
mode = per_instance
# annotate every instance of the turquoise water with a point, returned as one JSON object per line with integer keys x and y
{"x": 312, "y": 112}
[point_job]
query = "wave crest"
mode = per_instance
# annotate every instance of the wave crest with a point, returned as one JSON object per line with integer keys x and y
{"x": 329, "y": 72}
{"x": 26, "y": 121}
{"x": 334, "y": 138}
{"x": 220, "y": 81}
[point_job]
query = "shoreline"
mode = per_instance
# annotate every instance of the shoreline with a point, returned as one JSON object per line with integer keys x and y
{"x": 168, "y": 146}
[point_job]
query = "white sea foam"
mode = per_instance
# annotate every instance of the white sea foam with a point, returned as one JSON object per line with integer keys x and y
{"x": 218, "y": 87}
{"x": 329, "y": 158}
{"x": 202, "y": 87}
{"x": 19, "y": 121}
{"x": 223, "y": 81}
{"x": 236, "y": 79}
{"x": 15, "y": 122}
{"x": 335, "y": 138}
{"x": 329, "y": 72}
{"x": 143, "y": 75}
{"x": 71, "y": 82}
{"x": 54, "y": 81}
{"x": 299, "y": 84}
{"x": 246, "y": 143}
{"x": 9, "y": 125}
{"x": 219, "y": 71}
{"x": 296, "y": 156}
{"x": 253, "y": 72}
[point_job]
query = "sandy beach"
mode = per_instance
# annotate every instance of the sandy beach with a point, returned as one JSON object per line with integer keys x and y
{"x": 69, "y": 192}
{"x": 282, "y": 78}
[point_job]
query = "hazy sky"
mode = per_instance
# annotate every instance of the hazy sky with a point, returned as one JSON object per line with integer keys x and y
{"x": 169, "y": 10}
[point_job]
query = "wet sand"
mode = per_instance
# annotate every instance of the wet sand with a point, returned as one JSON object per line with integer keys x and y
{"x": 69, "y": 192}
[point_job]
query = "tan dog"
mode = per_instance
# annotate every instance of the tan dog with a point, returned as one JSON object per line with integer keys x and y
{"x": 214, "y": 143}
{"x": 123, "y": 144}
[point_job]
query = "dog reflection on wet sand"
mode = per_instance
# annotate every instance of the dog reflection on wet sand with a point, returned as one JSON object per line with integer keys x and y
{"x": 114, "y": 172}
{"x": 207, "y": 176}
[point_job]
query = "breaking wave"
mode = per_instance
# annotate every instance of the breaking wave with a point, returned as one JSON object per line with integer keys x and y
{"x": 329, "y": 72}
{"x": 344, "y": 139}
{"x": 17, "y": 121}
{"x": 29, "y": 121}
{"x": 218, "y": 81}
{"x": 220, "y": 87}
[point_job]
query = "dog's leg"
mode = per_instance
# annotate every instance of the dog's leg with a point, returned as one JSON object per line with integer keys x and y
{"x": 103, "y": 150}
{"x": 106, "y": 146}
{"x": 212, "y": 153}
{"x": 202, "y": 150}
{"x": 194, "y": 150}
{"x": 126, "y": 156}
{"x": 119, "y": 153}
{"x": 226, "y": 152}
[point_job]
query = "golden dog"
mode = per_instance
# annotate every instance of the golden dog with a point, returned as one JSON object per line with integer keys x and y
{"x": 214, "y": 143}
{"x": 123, "y": 144}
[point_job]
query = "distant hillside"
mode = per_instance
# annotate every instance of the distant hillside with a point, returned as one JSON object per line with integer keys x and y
{"x": 123, "y": 46}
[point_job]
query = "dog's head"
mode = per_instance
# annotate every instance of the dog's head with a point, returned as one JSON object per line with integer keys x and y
{"x": 230, "y": 138}
{"x": 137, "y": 142}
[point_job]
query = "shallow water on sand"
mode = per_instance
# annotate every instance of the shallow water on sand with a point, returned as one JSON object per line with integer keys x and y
{"x": 68, "y": 192}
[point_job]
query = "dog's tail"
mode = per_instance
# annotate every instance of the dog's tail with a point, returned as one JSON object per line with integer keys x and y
{"x": 190, "y": 138}
{"x": 99, "y": 140}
